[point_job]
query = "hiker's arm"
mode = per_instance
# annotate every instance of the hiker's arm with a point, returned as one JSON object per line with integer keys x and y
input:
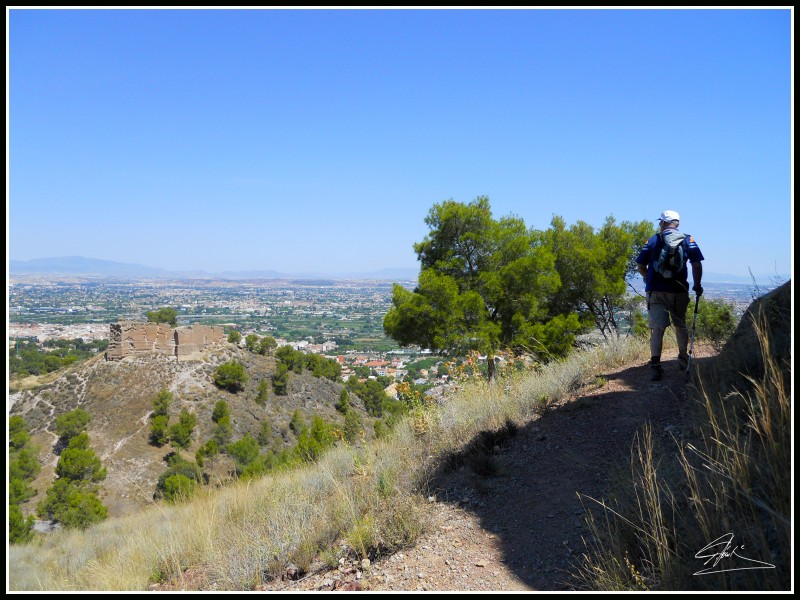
{"x": 643, "y": 269}
{"x": 697, "y": 276}
{"x": 697, "y": 272}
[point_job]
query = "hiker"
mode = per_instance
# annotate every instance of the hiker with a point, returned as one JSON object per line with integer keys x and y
{"x": 663, "y": 264}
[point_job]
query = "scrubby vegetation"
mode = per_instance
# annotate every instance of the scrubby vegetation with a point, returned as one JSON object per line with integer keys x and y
{"x": 30, "y": 358}
{"x": 231, "y": 376}
{"x": 22, "y": 469}
{"x": 73, "y": 499}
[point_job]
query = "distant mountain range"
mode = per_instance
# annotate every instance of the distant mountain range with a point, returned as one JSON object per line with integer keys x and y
{"x": 79, "y": 266}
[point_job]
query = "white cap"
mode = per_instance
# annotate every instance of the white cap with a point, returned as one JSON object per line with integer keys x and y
{"x": 669, "y": 215}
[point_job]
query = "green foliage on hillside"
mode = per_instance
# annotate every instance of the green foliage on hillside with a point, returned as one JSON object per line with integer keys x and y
{"x": 30, "y": 358}
{"x": 266, "y": 345}
{"x": 295, "y": 361}
{"x": 172, "y": 483}
{"x": 73, "y": 498}
{"x": 244, "y": 452}
{"x": 71, "y": 424}
{"x": 22, "y": 469}
{"x": 231, "y": 376}
{"x": 372, "y": 393}
{"x": 162, "y": 402}
{"x": 180, "y": 434}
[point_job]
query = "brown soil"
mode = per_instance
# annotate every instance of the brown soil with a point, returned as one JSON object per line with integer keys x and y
{"x": 522, "y": 527}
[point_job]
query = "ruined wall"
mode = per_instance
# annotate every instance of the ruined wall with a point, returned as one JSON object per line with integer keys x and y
{"x": 195, "y": 338}
{"x": 132, "y": 338}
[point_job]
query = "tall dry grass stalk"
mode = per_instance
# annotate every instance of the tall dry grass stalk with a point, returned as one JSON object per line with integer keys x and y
{"x": 733, "y": 483}
{"x": 362, "y": 500}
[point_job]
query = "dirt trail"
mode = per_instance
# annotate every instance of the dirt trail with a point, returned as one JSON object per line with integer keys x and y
{"x": 522, "y": 527}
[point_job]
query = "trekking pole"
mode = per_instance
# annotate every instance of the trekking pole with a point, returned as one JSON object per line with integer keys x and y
{"x": 691, "y": 340}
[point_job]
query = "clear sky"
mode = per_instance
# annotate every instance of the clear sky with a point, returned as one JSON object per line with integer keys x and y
{"x": 318, "y": 140}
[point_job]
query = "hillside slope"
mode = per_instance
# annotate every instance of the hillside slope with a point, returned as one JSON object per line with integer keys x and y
{"x": 119, "y": 397}
{"x": 517, "y": 523}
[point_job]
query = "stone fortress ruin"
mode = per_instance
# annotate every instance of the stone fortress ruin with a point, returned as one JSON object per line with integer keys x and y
{"x": 134, "y": 338}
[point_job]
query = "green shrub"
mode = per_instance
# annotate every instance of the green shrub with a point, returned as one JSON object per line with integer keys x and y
{"x": 231, "y": 376}
{"x": 251, "y": 342}
{"x": 223, "y": 431}
{"x": 162, "y": 402}
{"x": 313, "y": 441}
{"x": 266, "y": 345}
{"x": 265, "y": 434}
{"x": 71, "y": 424}
{"x": 208, "y": 450}
{"x": 343, "y": 406}
{"x": 715, "y": 321}
{"x": 23, "y": 464}
{"x": 178, "y": 488}
{"x": 19, "y": 490}
{"x": 79, "y": 463}
{"x": 18, "y": 435}
{"x": 280, "y": 380}
{"x": 297, "y": 423}
{"x": 159, "y": 430}
{"x": 221, "y": 409}
{"x": 243, "y": 452}
{"x": 73, "y": 504}
{"x": 180, "y": 434}
{"x": 263, "y": 392}
{"x": 178, "y": 466}
{"x": 353, "y": 427}
{"x": 20, "y": 528}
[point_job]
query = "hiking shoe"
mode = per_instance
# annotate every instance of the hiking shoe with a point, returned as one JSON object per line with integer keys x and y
{"x": 658, "y": 372}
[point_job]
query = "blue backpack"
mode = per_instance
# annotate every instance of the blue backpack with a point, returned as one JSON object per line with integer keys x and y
{"x": 671, "y": 258}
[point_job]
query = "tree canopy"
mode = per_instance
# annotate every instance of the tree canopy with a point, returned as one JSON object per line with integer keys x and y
{"x": 594, "y": 267}
{"x": 163, "y": 315}
{"x": 231, "y": 376}
{"x": 487, "y": 284}
{"x": 71, "y": 423}
{"x": 483, "y": 285}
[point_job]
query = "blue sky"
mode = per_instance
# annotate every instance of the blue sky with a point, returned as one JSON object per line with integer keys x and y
{"x": 318, "y": 140}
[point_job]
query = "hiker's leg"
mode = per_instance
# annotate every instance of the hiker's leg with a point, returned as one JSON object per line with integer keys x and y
{"x": 680, "y": 304}
{"x": 658, "y": 316}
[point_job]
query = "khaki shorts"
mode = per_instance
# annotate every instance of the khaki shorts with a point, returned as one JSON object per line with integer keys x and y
{"x": 665, "y": 306}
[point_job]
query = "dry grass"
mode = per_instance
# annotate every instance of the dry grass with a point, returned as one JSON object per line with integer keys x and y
{"x": 363, "y": 501}
{"x": 732, "y": 479}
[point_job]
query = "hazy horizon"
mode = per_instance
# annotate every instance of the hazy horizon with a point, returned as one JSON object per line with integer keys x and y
{"x": 405, "y": 272}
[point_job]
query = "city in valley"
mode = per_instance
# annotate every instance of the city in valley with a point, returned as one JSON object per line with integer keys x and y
{"x": 333, "y": 317}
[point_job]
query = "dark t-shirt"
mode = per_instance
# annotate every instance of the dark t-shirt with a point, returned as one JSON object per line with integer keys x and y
{"x": 655, "y": 282}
